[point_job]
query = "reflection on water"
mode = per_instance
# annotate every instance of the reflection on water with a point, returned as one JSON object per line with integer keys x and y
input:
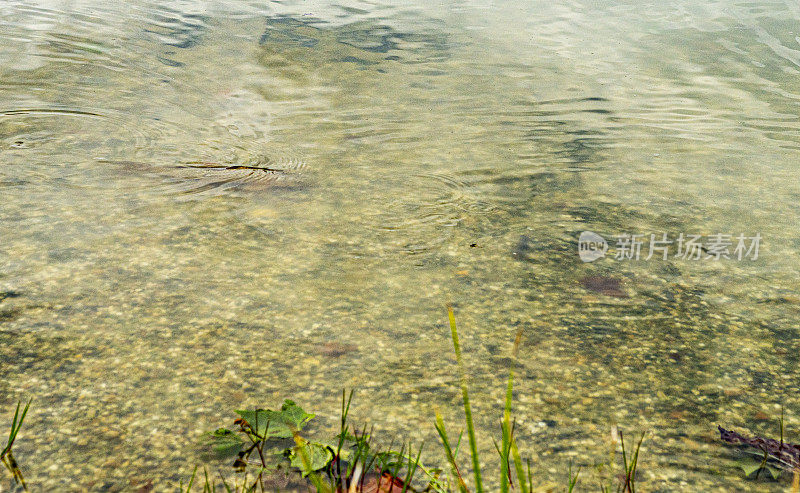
{"x": 212, "y": 207}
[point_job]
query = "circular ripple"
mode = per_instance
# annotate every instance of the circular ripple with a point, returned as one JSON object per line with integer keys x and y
{"x": 65, "y": 135}
{"x": 426, "y": 210}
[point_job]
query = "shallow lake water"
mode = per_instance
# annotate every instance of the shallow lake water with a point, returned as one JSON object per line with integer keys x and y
{"x": 211, "y": 206}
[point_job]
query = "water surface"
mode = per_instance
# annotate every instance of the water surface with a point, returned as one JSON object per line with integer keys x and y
{"x": 207, "y": 207}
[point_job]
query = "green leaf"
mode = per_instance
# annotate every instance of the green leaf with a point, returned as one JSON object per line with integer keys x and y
{"x": 267, "y": 423}
{"x": 318, "y": 456}
{"x": 751, "y": 465}
{"x": 259, "y": 420}
{"x": 294, "y": 416}
{"x": 748, "y": 466}
{"x": 224, "y": 442}
{"x": 774, "y": 471}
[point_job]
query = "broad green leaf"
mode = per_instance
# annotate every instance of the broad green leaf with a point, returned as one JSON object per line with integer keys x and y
{"x": 259, "y": 420}
{"x": 749, "y": 466}
{"x": 318, "y": 456}
{"x": 223, "y": 442}
{"x": 774, "y": 471}
{"x": 276, "y": 424}
{"x": 294, "y": 416}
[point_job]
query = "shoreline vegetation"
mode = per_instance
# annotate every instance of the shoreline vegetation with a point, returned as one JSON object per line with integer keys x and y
{"x": 6, "y": 454}
{"x": 269, "y": 452}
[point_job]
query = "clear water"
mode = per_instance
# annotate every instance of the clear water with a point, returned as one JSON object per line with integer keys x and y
{"x": 425, "y": 154}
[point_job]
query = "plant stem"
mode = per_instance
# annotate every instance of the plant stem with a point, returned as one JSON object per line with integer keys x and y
{"x": 476, "y": 466}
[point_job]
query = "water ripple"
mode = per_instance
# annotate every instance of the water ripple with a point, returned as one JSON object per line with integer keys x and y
{"x": 421, "y": 221}
{"x": 199, "y": 179}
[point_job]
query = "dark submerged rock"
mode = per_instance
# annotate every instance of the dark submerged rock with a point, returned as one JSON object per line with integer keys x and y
{"x": 609, "y": 286}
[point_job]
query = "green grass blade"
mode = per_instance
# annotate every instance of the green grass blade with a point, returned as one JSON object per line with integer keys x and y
{"x": 16, "y": 425}
{"x": 504, "y": 458}
{"x": 7, "y": 447}
{"x": 505, "y": 454}
{"x": 530, "y": 477}
{"x": 634, "y": 464}
{"x": 412, "y": 467}
{"x": 504, "y": 465}
{"x": 573, "y": 480}
{"x": 191, "y": 482}
{"x": 522, "y": 484}
{"x": 449, "y": 452}
{"x": 476, "y": 467}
